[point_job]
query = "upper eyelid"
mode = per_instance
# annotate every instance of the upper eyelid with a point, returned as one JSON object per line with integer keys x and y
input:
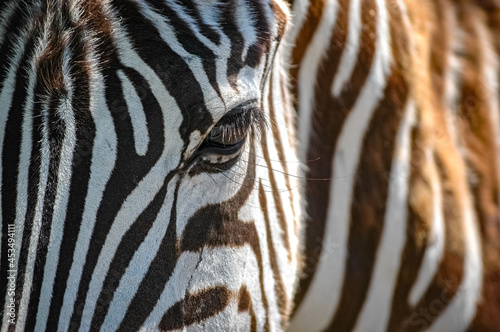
{"x": 252, "y": 116}
{"x": 237, "y": 112}
{"x": 252, "y": 103}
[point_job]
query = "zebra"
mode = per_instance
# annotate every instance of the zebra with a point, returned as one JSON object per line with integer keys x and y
{"x": 384, "y": 129}
{"x": 145, "y": 183}
{"x": 398, "y": 114}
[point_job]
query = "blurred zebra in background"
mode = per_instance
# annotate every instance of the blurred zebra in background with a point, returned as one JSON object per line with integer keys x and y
{"x": 398, "y": 109}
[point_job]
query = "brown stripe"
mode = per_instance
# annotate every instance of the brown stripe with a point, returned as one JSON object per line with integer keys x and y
{"x": 371, "y": 187}
{"x": 281, "y": 18}
{"x": 195, "y": 308}
{"x": 328, "y": 119}
{"x": 420, "y": 217}
{"x": 305, "y": 36}
{"x": 420, "y": 193}
{"x": 276, "y": 195}
{"x": 279, "y": 286}
{"x": 439, "y": 47}
{"x": 279, "y": 145}
{"x": 371, "y": 191}
{"x": 245, "y": 304}
{"x": 218, "y": 225}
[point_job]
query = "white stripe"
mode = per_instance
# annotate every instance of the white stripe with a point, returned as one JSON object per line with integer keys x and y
{"x": 42, "y": 183}
{"x": 351, "y": 50}
{"x": 210, "y": 269}
{"x": 6, "y": 95}
{"x": 287, "y": 269}
{"x": 435, "y": 243}
{"x": 453, "y": 78}
{"x": 24, "y": 160}
{"x": 137, "y": 268}
{"x": 283, "y": 6}
{"x": 268, "y": 276}
{"x": 299, "y": 15}
{"x": 377, "y": 308}
{"x": 319, "y": 305}
{"x": 308, "y": 73}
{"x": 103, "y": 161}
{"x": 193, "y": 24}
{"x": 459, "y": 313}
{"x": 65, "y": 112}
{"x": 245, "y": 22}
{"x": 37, "y": 223}
{"x": 149, "y": 186}
{"x": 214, "y": 104}
{"x": 137, "y": 115}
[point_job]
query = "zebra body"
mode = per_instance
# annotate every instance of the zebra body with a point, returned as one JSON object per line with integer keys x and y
{"x": 150, "y": 176}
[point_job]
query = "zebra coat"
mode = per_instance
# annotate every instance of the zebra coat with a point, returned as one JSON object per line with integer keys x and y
{"x": 231, "y": 165}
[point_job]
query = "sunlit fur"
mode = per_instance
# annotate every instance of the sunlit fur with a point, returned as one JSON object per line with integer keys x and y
{"x": 398, "y": 124}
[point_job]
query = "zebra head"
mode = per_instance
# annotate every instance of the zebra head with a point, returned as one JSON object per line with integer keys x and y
{"x": 147, "y": 154}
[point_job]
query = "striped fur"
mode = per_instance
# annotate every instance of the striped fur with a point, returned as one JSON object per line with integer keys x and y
{"x": 399, "y": 127}
{"x": 126, "y": 216}
{"x": 125, "y": 219}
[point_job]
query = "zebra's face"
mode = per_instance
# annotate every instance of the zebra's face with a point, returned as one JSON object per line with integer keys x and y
{"x": 163, "y": 135}
{"x": 211, "y": 221}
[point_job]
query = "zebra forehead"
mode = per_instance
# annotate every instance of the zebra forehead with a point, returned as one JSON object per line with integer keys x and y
{"x": 195, "y": 40}
{"x": 201, "y": 33}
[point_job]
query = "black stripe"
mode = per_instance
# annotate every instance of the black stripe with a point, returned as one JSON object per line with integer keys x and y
{"x": 205, "y": 30}
{"x": 11, "y": 151}
{"x": 129, "y": 171}
{"x": 56, "y": 137}
{"x": 263, "y": 43}
{"x": 231, "y": 30}
{"x": 85, "y": 135}
{"x": 159, "y": 272}
{"x": 195, "y": 308}
{"x": 139, "y": 229}
{"x": 172, "y": 69}
{"x": 190, "y": 42}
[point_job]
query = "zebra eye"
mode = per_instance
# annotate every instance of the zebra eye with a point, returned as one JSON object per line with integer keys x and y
{"x": 228, "y": 135}
{"x": 231, "y": 129}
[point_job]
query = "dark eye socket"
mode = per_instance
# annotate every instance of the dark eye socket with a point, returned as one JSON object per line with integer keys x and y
{"x": 228, "y": 135}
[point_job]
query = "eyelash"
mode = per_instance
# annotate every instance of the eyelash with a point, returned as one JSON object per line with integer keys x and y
{"x": 240, "y": 121}
{"x": 233, "y": 128}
